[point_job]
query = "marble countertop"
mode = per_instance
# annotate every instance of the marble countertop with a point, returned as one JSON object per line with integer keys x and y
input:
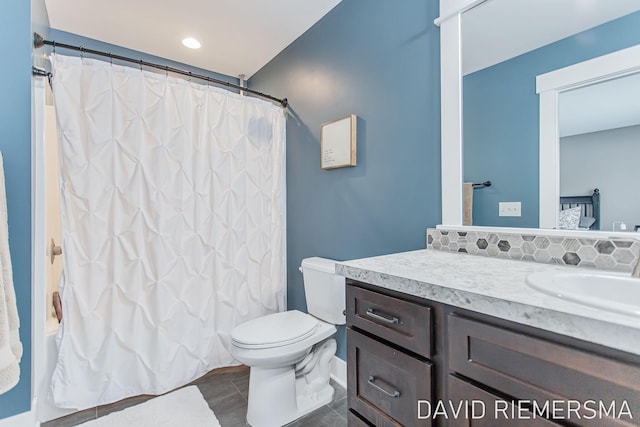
{"x": 495, "y": 287}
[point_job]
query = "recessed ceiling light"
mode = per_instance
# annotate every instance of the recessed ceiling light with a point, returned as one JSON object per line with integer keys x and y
{"x": 191, "y": 43}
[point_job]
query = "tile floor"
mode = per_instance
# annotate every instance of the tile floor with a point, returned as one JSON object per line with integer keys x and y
{"x": 226, "y": 392}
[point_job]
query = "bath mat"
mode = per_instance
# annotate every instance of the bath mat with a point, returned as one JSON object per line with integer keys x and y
{"x": 180, "y": 408}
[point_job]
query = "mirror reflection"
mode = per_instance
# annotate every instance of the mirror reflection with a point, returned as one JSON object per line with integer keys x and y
{"x": 599, "y": 130}
{"x": 506, "y": 44}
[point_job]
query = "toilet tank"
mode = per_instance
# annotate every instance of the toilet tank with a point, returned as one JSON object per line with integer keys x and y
{"x": 324, "y": 290}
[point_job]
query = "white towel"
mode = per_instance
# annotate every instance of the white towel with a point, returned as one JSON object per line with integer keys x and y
{"x": 10, "y": 346}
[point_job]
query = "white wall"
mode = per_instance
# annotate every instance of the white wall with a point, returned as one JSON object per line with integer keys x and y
{"x": 39, "y": 17}
{"x": 608, "y": 160}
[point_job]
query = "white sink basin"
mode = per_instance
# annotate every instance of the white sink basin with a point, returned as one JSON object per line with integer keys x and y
{"x": 613, "y": 292}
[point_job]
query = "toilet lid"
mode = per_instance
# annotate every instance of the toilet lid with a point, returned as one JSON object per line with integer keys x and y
{"x": 274, "y": 330}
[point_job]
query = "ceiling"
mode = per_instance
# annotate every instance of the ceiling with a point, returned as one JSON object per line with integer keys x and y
{"x": 606, "y": 105}
{"x": 497, "y": 30}
{"x": 237, "y": 36}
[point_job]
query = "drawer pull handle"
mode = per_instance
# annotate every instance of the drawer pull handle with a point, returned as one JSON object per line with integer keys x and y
{"x": 393, "y": 320}
{"x": 372, "y": 381}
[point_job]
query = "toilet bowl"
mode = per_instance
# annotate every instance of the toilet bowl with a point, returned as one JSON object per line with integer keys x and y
{"x": 291, "y": 353}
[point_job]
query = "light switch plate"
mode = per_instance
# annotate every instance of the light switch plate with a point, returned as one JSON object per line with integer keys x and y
{"x": 509, "y": 209}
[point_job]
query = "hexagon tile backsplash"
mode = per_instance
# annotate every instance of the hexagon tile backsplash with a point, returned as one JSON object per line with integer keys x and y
{"x": 604, "y": 254}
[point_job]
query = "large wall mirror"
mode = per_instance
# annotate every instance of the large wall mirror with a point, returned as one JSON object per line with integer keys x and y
{"x": 589, "y": 112}
{"x": 505, "y": 45}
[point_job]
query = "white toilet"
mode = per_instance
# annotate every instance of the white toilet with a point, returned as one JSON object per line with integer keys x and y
{"x": 290, "y": 353}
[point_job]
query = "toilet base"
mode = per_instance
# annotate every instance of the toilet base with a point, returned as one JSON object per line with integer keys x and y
{"x": 307, "y": 404}
{"x": 273, "y": 401}
{"x": 278, "y": 396}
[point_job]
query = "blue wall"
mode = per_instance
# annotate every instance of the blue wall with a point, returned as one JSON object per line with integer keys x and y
{"x": 15, "y": 144}
{"x": 380, "y": 60}
{"x": 501, "y": 119}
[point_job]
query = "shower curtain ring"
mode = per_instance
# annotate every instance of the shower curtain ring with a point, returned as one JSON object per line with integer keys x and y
{"x": 81, "y": 52}
{"x": 141, "y": 65}
{"x": 54, "y": 47}
{"x": 111, "y": 58}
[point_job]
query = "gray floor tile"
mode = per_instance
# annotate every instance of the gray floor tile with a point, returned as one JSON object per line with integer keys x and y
{"x": 231, "y": 410}
{"x": 122, "y": 404}
{"x": 323, "y": 417}
{"x": 226, "y": 392}
{"x": 242, "y": 385}
{"x": 214, "y": 391}
{"x": 72, "y": 419}
{"x": 340, "y": 406}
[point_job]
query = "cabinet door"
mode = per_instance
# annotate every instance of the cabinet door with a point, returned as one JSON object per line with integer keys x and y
{"x": 577, "y": 386}
{"x": 472, "y": 406}
{"x": 385, "y": 384}
{"x": 401, "y": 322}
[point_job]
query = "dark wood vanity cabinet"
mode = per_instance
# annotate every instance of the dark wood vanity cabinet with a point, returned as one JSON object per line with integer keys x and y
{"x": 415, "y": 362}
{"x": 388, "y": 368}
{"x": 476, "y": 414}
{"x": 539, "y": 372}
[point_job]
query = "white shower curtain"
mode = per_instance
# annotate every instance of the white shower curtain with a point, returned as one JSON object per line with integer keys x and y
{"x": 173, "y": 227}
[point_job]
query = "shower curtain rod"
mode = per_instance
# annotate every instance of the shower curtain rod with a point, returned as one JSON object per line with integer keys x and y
{"x": 39, "y": 41}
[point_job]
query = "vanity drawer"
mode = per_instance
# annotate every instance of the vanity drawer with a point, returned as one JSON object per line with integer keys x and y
{"x": 531, "y": 369}
{"x": 385, "y": 384}
{"x": 480, "y": 408}
{"x": 355, "y": 421}
{"x": 404, "y": 323}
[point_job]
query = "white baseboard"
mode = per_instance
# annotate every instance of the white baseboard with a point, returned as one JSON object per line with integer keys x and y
{"x": 338, "y": 371}
{"x": 25, "y": 419}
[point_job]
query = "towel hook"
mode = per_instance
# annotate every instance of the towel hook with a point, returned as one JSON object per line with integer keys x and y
{"x": 55, "y": 251}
